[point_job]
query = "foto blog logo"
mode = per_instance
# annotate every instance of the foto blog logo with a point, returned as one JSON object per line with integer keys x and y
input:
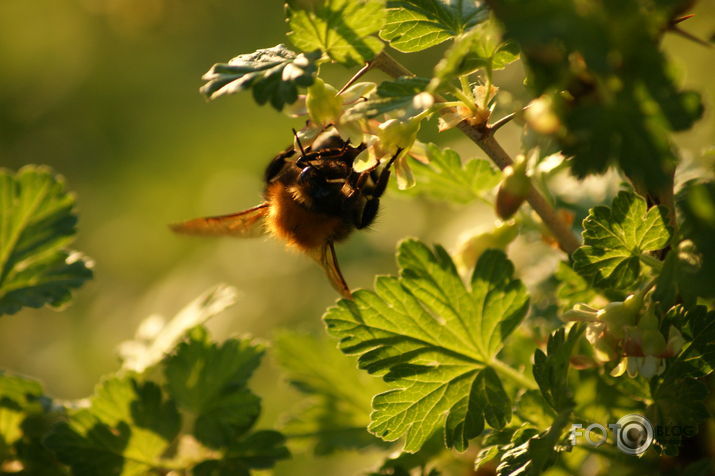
{"x": 633, "y": 434}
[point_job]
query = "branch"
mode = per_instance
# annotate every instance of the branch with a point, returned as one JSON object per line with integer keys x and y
{"x": 484, "y": 138}
{"x": 368, "y": 66}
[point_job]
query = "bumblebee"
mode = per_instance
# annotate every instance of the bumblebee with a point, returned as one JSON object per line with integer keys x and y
{"x": 312, "y": 199}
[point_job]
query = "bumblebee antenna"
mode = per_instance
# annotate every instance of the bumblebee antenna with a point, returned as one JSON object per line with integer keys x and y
{"x": 297, "y": 139}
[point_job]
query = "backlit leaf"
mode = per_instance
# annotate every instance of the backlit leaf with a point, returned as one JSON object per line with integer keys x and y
{"x": 614, "y": 239}
{"x": 37, "y": 224}
{"x": 433, "y": 339}
{"x": 342, "y": 29}
{"x": 413, "y": 25}
{"x": 209, "y": 380}
{"x": 272, "y": 74}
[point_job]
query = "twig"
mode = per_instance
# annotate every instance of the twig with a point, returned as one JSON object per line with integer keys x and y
{"x": 368, "y": 66}
{"x": 502, "y": 122}
{"x": 484, "y": 138}
{"x": 675, "y": 28}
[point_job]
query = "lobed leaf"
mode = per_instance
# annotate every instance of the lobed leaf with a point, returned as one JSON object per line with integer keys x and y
{"x": 697, "y": 326}
{"x": 616, "y": 237}
{"x": 481, "y": 48}
{"x": 404, "y": 97}
{"x": 272, "y": 74}
{"x": 403, "y": 464}
{"x": 342, "y": 29}
{"x": 433, "y": 339}
{"x": 25, "y": 417}
{"x": 447, "y": 178}
{"x": 37, "y": 223}
{"x": 125, "y": 431}
{"x": 414, "y": 25}
{"x": 258, "y": 450}
{"x": 551, "y": 368}
{"x": 18, "y": 398}
{"x": 678, "y": 407}
{"x": 209, "y": 380}
{"x": 336, "y": 410}
{"x": 530, "y": 453}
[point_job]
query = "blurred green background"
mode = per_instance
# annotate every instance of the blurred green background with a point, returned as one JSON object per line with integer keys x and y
{"x": 106, "y": 92}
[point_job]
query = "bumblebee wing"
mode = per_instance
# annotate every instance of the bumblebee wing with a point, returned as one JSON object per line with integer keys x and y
{"x": 246, "y": 224}
{"x": 328, "y": 260}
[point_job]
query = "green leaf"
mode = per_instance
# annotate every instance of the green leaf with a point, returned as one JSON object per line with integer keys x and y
{"x": 481, "y": 48}
{"x": 403, "y": 463}
{"x": 25, "y": 417}
{"x": 538, "y": 452}
{"x": 273, "y": 74}
{"x": 336, "y": 412}
{"x": 433, "y": 339}
{"x": 447, "y": 178}
{"x": 18, "y": 398}
{"x": 486, "y": 400}
{"x": 616, "y": 237}
{"x": 125, "y": 431}
{"x": 209, "y": 380}
{"x": 678, "y": 407}
{"x": 572, "y": 288}
{"x": 400, "y": 96}
{"x": 342, "y": 29}
{"x": 259, "y": 450}
{"x": 413, "y": 25}
{"x": 495, "y": 443}
{"x": 532, "y": 407}
{"x": 551, "y": 368}
{"x": 36, "y": 226}
{"x": 697, "y": 326}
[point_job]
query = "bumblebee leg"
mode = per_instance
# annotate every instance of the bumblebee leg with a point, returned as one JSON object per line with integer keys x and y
{"x": 368, "y": 214}
{"x": 384, "y": 178}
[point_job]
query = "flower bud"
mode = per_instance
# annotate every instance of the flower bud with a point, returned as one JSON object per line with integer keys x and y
{"x": 541, "y": 116}
{"x": 470, "y": 249}
{"x": 403, "y": 173}
{"x": 648, "y": 321}
{"x": 652, "y": 342}
{"x": 358, "y": 91}
{"x": 647, "y": 366}
{"x": 323, "y": 103}
{"x": 616, "y": 315}
{"x": 631, "y": 341}
{"x": 513, "y": 189}
{"x": 396, "y": 134}
{"x": 605, "y": 346}
{"x": 633, "y": 303}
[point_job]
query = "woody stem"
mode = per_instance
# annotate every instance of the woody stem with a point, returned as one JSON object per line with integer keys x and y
{"x": 483, "y": 136}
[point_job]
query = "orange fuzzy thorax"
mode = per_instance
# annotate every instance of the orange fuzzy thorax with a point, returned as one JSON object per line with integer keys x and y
{"x": 299, "y": 227}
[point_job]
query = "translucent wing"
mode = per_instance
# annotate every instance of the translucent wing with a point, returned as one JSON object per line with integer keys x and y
{"x": 325, "y": 256}
{"x": 246, "y": 224}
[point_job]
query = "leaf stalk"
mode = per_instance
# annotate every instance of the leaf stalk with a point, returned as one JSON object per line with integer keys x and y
{"x": 512, "y": 374}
